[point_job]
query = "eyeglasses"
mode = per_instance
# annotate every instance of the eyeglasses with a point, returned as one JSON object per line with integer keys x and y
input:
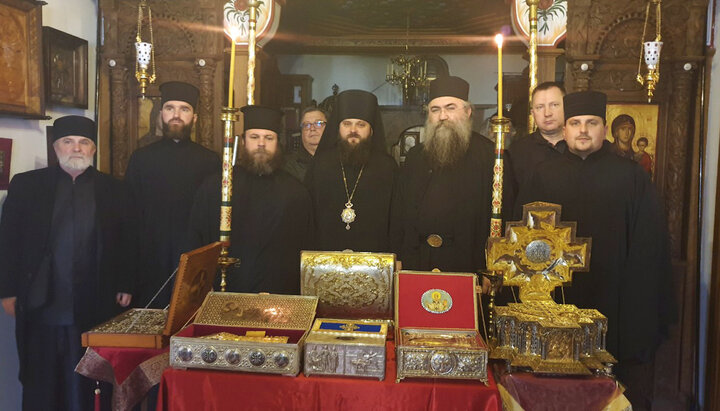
{"x": 315, "y": 124}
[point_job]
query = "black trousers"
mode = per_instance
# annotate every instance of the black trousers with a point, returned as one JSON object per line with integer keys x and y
{"x": 50, "y": 381}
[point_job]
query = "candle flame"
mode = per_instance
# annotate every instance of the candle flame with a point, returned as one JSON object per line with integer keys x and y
{"x": 234, "y": 34}
{"x": 499, "y": 40}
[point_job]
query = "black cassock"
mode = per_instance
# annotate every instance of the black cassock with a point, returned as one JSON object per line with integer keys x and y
{"x": 271, "y": 224}
{"x": 371, "y": 202}
{"x": 614, "y": 202}
{"x": 453, "y": 202}
{"x": 164, "y": 177}
{"x": 529, "y": 151}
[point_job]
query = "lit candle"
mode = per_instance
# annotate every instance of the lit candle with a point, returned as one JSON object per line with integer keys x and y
{"x": 499, "y": 42}
{"x": 233, "y": 36}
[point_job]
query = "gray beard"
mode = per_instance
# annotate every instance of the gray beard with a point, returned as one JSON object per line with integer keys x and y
{"x": 446, "y": 142}
{"x": 77, "y": 164}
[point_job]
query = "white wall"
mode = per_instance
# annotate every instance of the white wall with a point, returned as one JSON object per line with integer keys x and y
{"x": 79, "y": 18}
{"x": 368, "y": 73}
{"x": 708, "y": 215}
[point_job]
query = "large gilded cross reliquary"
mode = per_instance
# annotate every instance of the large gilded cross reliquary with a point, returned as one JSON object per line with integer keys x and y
{"x": 537, "y": 255}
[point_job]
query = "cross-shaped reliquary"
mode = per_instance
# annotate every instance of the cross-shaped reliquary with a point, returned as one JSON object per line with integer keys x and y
{"x": 537, "y": 255}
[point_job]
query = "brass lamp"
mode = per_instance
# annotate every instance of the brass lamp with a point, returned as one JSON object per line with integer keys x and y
{"x": 145, "y": 57}
{"x": 651, "y": 52}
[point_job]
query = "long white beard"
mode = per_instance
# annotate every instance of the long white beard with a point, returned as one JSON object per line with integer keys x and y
{"x": 446, "y": 144}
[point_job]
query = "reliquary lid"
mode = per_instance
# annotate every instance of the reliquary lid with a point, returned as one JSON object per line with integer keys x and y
{"x": 435, "y": 300}
{"x": 194, "y": 280}
{"x": 349, "y": 284}
{"x": 277, "y": 311}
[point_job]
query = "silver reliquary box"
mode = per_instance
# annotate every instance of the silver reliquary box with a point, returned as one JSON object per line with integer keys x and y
{"x": 246, "y": 332}
{"x": 436, "y": 326}
{"x": 349, "y": 284}
{"x": 346, "y": 347}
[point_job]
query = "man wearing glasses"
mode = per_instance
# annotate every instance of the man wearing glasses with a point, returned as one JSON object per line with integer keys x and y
{"x": 312, "y": 127}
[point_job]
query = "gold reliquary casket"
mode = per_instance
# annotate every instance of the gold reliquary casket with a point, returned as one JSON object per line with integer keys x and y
{"x": 537, "y": 255}
{"x": 246, "y": 332}
{"x": 346, "y": 347}
{"x": 152, "y": 328}
{"x": 356, "y": 290}
{"x": 436, "y": 326}
{"x": 349, "y": 284}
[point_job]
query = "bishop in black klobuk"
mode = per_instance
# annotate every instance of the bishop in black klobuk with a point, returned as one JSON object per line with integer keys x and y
{"x": 352, "y": 178}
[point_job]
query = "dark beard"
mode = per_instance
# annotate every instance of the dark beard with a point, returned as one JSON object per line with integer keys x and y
{"x": 260, "y": 165}
{"x": 182, "y": 134}
{"x": 446, "y": 142}
{"x": 355, "y": 156}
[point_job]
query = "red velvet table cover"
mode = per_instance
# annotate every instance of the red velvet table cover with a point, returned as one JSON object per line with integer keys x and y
{"x": 131, "y": 371}
{"x": 221, "y": 390}
{"x": 538, "y": 393}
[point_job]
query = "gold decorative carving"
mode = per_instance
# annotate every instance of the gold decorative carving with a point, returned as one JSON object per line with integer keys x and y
{"x": 224, "y": 336}
{"x": 257, "y": 310}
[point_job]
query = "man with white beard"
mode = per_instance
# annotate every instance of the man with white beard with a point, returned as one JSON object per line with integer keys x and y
{"x": 441, "y": 207}
{"x": 67, "y": 254}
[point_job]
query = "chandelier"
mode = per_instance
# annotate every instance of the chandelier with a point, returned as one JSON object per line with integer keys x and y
{"x": 145, "y": 52}
{"x": 408, "y": 72}
{"x": 651, "y": 52}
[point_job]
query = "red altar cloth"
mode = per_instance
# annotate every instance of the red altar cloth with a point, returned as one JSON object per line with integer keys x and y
{"x": 221, "y": 390}
{"x": 538, "y": 393}
{"x": 131, "y": 371}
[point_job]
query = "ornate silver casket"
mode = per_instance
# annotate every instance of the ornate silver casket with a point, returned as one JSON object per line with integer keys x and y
{"x": 436, "y": 326}
{"x": 346, "y": 347}
{"x": 246, "y": 332}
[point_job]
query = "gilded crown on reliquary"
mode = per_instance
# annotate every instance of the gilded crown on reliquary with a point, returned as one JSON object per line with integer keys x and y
{"x": 537, "y": 255}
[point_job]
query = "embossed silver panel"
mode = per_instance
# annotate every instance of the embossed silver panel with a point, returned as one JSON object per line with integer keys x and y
{"x": 350, "y": 349}
{"x": 349, "y": 284}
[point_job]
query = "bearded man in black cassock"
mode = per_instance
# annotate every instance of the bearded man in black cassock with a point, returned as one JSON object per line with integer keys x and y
{"x": 441, "y": 215}
{"x": 66, "y": 264}
{"x": 271, "y": 212}
{"x": 614, "y": 202}
{"x": 164, "y": 177}
{"x": 351, "y": 180}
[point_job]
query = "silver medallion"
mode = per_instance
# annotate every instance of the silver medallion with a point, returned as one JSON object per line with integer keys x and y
{"x": 209, "y": 355}
{"x": 232, "y": 356}
{"x": 185, "y": 354}
{"x": 257, "y": 358}
{"x": 281, "y": 359}
{"x": 538, "y": 251}
{"x": 442, "y": 362}
{"x": 348, "y": 215}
